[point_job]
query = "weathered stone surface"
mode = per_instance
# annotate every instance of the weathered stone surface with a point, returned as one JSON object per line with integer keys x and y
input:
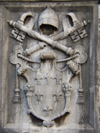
{"x": 49, "y": 65}
{"x": 53, "y": 0}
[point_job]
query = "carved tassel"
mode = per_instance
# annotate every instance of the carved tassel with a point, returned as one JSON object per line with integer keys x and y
{"x": 17, "y": 90}
{"x": 80, "y": 90}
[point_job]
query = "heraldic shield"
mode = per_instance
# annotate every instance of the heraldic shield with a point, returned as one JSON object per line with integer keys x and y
{"x": 48, "y": 63}
{"x": 48, "y": 94}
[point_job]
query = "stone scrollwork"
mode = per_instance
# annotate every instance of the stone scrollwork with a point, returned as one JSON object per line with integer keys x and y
{"x": 46, "y": 85}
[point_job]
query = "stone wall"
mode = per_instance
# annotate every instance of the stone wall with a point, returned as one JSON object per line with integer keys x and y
{"x": 49, "y": 67}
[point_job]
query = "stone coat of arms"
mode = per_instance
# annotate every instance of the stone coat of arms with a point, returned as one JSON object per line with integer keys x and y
{"x": 48, "y": 64}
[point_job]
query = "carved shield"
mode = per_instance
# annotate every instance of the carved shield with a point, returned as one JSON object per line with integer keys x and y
{"x": 45, "y": 92}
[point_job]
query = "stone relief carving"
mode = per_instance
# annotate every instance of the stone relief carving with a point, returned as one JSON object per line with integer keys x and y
{"x": 47, "y": 86}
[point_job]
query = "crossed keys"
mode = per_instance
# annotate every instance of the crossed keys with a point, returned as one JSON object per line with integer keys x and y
{"x": 77, "y": 32}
